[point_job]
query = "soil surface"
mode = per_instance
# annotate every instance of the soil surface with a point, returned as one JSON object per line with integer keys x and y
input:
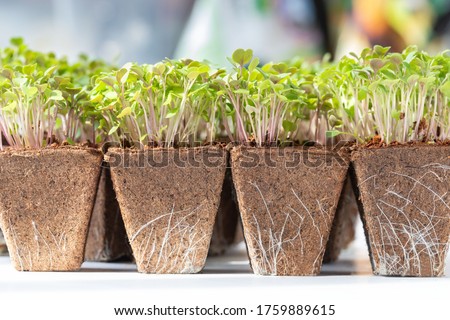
{"x": 376, "y": 143}
{"x": 343, "y": 229}
{"x": 169, "y": 200}
{"x": 404, "y": 195}
{"x": 46, "y": 200}
{"x": 287, "y": 200}
{"x": 107, "y": 239}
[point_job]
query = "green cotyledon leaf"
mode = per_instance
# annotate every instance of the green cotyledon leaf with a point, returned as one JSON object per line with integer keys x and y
{"x": 289, "y": 126}
{"x": 125, "y": 112}
{"x": 242, "y": 57}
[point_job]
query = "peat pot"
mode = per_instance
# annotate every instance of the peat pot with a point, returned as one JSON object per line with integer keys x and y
{"x": 46, "y": 200}
{"x": 404, "y": 199}
{"x": 287, "y": 199}
{"x": 107, "y": 239}
{"x": 343, "y": 230}
{"x": 226, "y": 225}
{"x": 169, "y": 200}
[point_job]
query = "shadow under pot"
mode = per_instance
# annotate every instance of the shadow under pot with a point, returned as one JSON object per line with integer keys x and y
{"x": 287, "y": 199}
{"x": 46, "y": 200}
{"x": 404, "y": 200}
{"x": 169, "y": 200}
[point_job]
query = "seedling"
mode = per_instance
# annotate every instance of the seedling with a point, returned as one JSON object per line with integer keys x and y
{"x": 44, "y": 99}
{"x": 164, "y": 104}
{"x": 258, "y": 102}
{"x": 397, "y": 97}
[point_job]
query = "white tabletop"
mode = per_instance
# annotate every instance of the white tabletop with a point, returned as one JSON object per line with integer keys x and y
{"x": 227, "y": 281}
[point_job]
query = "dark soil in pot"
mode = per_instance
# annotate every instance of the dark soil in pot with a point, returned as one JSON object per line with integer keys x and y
{"x": 225, "y": 227}
{"x": 343, "y": 229}
{"x": 46, "y": 200}
{"x": 169, "y": 200}
{"x": 404, "y": 195}
{"x": 107, "y": 239}
{"x": 287, "y": 199}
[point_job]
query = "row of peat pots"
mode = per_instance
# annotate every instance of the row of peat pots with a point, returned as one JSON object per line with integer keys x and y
{"x": 169, "y": 199}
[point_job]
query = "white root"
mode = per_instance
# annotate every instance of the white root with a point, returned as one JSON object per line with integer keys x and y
{"x": 178, "y": 248}
{"x": 409, "y": 242}
{"x": 31, "y": 256}
{"x": 38, "y": 241}
{"x": 267, "y": 244}
{"x": 37, "y": 236}
{"x": 18, "y": 253}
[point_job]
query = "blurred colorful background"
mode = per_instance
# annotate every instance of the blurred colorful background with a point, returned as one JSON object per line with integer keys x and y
{"x": 150, "y": 30}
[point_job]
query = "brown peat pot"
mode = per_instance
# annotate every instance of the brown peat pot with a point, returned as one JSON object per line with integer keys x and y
{"x": 404, "y": 194}
{"x": 169, "y": 200}
{"x": 107, "y": 239}
{"x": 343, "y": 229}
{"x": 46, "y": 201}
{"x": 225, "y": 227}
{"x": 287, "y": 199}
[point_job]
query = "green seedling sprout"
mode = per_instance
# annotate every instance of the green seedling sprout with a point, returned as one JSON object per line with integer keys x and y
{"x": 399, "y": 97}
{"x": 257, "y": 101}
{"x": 159, "y": 105}
{"x": 44, "y": 99}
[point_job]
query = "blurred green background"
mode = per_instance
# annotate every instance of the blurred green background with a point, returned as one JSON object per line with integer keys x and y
{"x": 150, "y": 30}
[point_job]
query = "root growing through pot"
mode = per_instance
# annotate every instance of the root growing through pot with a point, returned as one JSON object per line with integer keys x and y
{"x": 285, "y": 231}
{"x": 408, "y": 224}
{"x": 48, "y": 245}
{"x": 171, "y": 242}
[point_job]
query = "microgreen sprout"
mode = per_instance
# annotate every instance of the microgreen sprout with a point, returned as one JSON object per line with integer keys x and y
{"x": 44, "y": 99}
{"x": 393, "y": 97}
{"x": 163, "y": 105}
{"x": 257, "y": 102}
{"x": 398, "y": 97}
